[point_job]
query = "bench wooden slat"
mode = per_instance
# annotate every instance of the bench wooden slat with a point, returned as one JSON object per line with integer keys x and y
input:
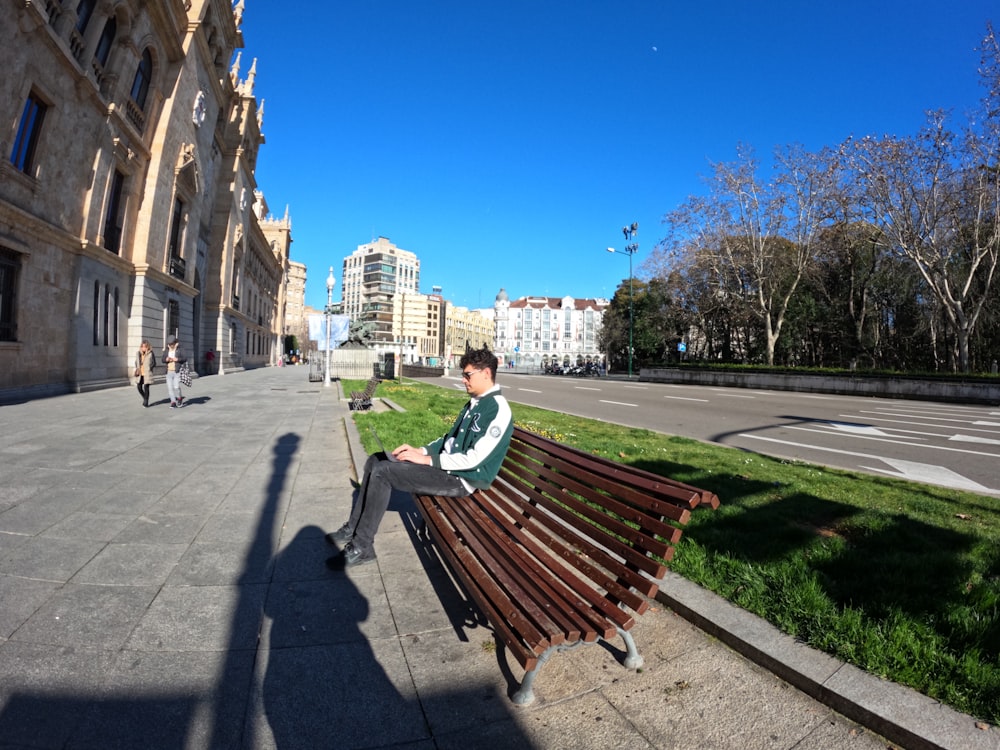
{"x": 569, "y": 510}
{"x": 487, "y": 545}
{"x": 464, "y": 565}
{"x": 677, "y": 506}
{"x": 588, "y": 559}
{"x": 640, "y": 478}
{"x": 572, "y": 577}
{"x": 566, "y": 564}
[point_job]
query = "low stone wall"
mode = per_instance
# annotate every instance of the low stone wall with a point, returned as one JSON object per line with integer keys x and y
{"x": 421, "y": 371}
{"x": 927, "y": 389}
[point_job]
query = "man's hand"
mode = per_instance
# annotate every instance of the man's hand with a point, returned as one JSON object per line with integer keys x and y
{"x": 411, "y": 455}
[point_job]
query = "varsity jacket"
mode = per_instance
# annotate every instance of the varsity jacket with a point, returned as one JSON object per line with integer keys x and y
{"x": 476, "y": 444}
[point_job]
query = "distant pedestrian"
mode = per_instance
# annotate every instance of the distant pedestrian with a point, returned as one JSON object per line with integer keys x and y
{"x": 173, "y": 357}
{"x": 145, "y": 361}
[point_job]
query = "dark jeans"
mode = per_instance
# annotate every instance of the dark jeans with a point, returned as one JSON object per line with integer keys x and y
{"x": 381, "y": 478}
{"x": 143, "y": 388}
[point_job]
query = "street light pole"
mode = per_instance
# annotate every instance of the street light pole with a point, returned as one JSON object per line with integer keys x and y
{"x": 330, "y": 281}
{"x": 630, "y": 249}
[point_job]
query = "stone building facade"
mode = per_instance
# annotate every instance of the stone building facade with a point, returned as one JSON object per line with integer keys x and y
{"x": 128, "y": 204}
{"x": 535, "y": 332}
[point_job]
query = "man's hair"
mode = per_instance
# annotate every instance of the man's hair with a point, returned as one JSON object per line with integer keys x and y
{"x": 481, "y": 359}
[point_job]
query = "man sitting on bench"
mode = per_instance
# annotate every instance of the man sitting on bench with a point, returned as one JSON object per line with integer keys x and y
{"x": 461, "y": 461}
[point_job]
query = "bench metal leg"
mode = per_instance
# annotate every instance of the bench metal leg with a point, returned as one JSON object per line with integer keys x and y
{"x": 633, "y": 660}
{"x": 526, "y": 693}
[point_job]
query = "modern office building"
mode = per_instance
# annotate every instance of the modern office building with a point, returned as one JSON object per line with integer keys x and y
{"x": 373, "y": 275}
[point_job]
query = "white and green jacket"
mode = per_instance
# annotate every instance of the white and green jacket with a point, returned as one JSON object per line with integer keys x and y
{"x": 477, "y": 442}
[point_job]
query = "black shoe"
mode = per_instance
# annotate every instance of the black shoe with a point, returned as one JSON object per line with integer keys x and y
{"x": 341, "y": 536}
{"x": 351, "y": 557}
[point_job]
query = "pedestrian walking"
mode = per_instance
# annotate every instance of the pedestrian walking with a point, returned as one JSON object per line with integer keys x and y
{"x": 145, "y": 361}
{"x": 173, "y": 357}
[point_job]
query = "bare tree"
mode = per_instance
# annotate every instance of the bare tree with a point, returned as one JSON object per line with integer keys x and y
{"x": 759, "y": 236}
{"x": 936, "y": 199}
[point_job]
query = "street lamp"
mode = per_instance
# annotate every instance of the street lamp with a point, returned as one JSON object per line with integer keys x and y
{"x": 328, "y": 311}
{"x": 630, "y": 249}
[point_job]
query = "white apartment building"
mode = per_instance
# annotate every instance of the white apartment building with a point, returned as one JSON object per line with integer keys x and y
{"x": 372, "y": 277}
{"x": 538, "y": 331}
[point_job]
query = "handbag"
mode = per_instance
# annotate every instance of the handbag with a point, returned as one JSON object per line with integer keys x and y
{"x": 185, "y": 374}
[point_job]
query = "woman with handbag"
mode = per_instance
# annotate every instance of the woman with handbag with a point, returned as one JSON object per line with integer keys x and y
{"x": 145, "y": 361}
{"x": 173, "y": 357}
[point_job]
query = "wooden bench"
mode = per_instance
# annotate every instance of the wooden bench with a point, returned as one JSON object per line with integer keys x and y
{"x": 565, "y": 548}
{"x": 362, "y": 400}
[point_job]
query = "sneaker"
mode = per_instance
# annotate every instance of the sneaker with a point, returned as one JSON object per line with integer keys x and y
{"x": 354, "y": 555}
{"x": 341, "y": 536}
{"x": 173, "y": 404}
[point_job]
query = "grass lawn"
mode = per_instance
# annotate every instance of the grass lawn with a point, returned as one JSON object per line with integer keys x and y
{"x": 898, "y": 578}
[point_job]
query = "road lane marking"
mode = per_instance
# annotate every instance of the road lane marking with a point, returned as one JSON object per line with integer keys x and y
{"x": 933, "y": 474}
{"x": 585, "y": 388}
{"x": 900, "y": 442}
{"x": 928, "y": 474}
{"x": 974, "y": 439}
{"x": 687, "y": 398}
{"x": 616, "y": 403}
{"x": 905, "y": 421}
{"x": 529, "y": 390}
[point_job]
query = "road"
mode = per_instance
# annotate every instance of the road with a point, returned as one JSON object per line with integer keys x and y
{"x": 951, "y": 445}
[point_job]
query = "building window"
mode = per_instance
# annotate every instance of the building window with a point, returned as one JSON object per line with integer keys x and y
{"x": 173, "y": 318}
{"x": 176, "y": 262}
{"x": 103, "y": 51}
{"x": 97, "y": 313}
{"x": 23, "y": 155}
{"x": 113, "y": 215}
{"x": 83, "y": 13}
{"x": 10, "y": 269}
{"x": 107, "y": 312}
{"x": 115, "y": 321}
{"x": 143, "y": 77}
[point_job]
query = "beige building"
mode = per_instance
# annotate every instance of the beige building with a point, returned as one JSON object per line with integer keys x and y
{"x": 465, "y": 329}
{"x": 128, "y": 204}
{"x": 296, "y": 321}
{"x": 417, "y": 326}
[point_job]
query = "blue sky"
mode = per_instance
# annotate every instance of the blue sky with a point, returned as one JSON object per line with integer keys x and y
{"x": 507, "y": 143}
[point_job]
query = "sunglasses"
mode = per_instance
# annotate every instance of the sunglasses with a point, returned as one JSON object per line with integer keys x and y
{"x": 467, "y": 374}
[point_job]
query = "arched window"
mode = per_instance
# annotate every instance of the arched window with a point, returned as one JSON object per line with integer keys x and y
{"x": 143, "y": 76}
{"x": 103, "y": 50}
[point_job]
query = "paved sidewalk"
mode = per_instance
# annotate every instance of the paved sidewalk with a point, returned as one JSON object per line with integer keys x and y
{"x": 162, "y": 585}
